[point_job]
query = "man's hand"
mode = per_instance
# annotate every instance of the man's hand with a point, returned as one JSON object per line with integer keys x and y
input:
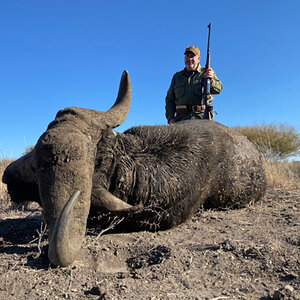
{"x": 171, "y": 121}
{"x": 209, "y": 74}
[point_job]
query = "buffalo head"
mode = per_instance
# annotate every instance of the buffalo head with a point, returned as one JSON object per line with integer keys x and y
{"x": 62, "y": 166}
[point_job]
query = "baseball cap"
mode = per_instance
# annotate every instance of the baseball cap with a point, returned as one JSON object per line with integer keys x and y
{"x": 192, "y": 49}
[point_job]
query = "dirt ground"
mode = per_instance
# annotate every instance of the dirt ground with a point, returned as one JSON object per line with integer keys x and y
{"x": 252, "y": 253}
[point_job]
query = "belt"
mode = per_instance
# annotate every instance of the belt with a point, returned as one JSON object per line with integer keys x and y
{"x": 185, "y": 109}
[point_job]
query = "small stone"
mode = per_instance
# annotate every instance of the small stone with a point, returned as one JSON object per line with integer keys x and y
{"x": 227, "y": 246}
{"x": 95, "y": 290}
{"x": 121, "y": 275}
{"x": 289, "y": 288}
{"x": 277, "y": 295}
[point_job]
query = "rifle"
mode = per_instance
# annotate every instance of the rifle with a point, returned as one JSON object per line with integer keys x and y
{"x": 207, "y": 81}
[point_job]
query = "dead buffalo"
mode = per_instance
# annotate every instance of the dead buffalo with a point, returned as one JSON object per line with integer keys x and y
{"x": 150, "y": 174}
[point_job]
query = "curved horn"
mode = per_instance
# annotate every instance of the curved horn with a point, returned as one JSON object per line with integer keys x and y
{"x": 108, "y": 201}
{"x": 116, "y": 115}
{"x": 62, "y": 251}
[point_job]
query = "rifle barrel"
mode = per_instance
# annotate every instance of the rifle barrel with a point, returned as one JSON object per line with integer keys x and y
{"x": 208, "y": 54}
{"x": 209, "y": 26}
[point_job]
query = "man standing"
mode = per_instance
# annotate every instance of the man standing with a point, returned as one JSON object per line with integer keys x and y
{"x": 187, "y": 87}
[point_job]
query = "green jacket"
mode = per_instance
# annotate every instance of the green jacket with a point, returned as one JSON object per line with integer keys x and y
{"x": 185, "y": 90}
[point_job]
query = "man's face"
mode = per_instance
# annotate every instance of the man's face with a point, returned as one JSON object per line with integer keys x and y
{"x": 191, "y": 61}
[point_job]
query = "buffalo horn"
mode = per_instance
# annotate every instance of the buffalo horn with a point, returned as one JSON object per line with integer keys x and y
{"x": 116, "y": 115}
{"x": 59, "y": 251}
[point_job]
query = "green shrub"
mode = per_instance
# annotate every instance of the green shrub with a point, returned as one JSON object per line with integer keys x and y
{"x": 275, "y": 142}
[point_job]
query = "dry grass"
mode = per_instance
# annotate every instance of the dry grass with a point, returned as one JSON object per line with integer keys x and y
{"x": 4, "y": 197}
{"x": 283, "y": 174}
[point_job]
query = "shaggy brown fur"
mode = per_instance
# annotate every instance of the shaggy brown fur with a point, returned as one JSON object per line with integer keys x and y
{"x": 175, "y": 170}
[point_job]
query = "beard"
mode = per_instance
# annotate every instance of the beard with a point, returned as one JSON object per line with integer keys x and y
{"x": 190, "y": 66}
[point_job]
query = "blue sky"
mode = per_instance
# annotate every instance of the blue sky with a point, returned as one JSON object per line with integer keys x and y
{"x": 55, "y": 54}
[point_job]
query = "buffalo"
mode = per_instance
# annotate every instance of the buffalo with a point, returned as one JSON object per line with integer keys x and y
{"x": 147, "y": 175}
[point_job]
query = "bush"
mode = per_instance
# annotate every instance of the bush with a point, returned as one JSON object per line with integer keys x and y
{"x": 275, "y": 142}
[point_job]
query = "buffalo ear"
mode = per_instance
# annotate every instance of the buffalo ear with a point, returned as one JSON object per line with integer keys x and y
{"x": 116, "y": 115}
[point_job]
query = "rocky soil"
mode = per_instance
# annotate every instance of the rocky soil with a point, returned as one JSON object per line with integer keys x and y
{"x": 252, "y": 253}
